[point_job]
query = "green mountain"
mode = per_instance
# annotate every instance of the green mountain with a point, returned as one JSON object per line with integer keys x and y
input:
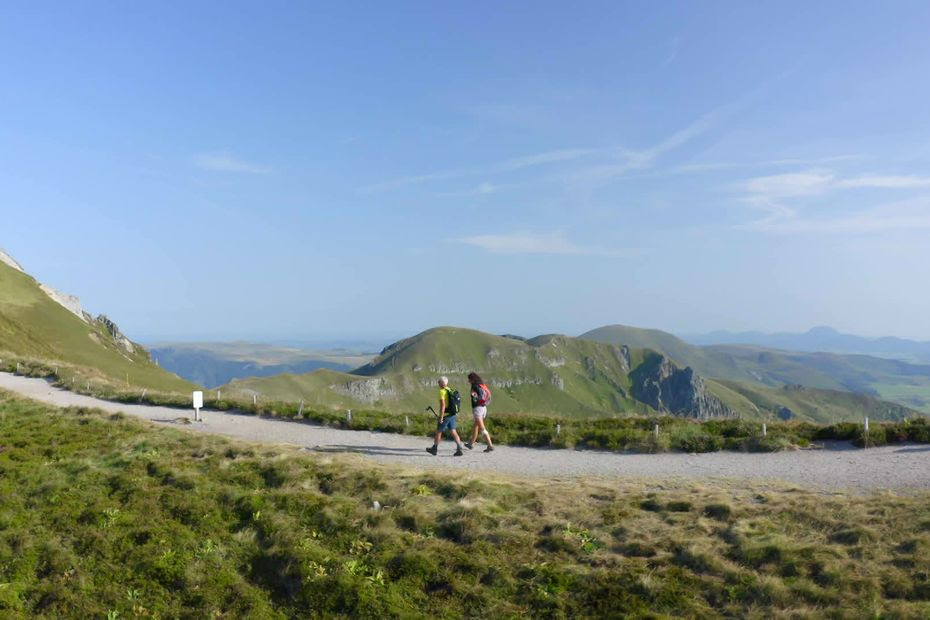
{"x": 38, "y": 323}
{"x": 555, "y": 375}
{"x": 549, "y": 374}
{"x": 900, "y": 382}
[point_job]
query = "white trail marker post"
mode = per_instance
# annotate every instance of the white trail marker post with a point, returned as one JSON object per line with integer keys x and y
{"x": 198, "y": 404}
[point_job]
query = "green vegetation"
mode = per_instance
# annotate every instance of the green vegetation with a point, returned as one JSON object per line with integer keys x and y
{"x": 105, "y": 516}
{"x": 545, "y": 375}
{"x": 901, "y": 382}
{"x": 548, "y": 375}
{"x": 617, "y": 433}
{"x": 33, "y": 327}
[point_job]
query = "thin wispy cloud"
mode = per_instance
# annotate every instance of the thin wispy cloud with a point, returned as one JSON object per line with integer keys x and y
{"x": 902, "y": 216}
{"x": 226, "y": 162}
{"x": 538, "y": 243}
{"x": 482, "y": 189}
{"x": 780, "y": 199}
{"x": 764, "y": 163}
{"x": 508, "y": 165}
{"x": 644, "y": 159}
{"x": 815, "y": 182}
{"x": 603, "y": 165}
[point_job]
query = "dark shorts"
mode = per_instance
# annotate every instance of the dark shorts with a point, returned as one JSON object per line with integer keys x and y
{"x": 448, "y": 424}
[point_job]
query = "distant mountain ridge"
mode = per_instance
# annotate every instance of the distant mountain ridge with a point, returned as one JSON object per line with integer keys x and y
{"x": 556, "y": 375}
{"x": 551, "y": 374}
{"x": 822, "y": 339}
{"x": 902, "y": 382}
{"x": 212, "y": 364}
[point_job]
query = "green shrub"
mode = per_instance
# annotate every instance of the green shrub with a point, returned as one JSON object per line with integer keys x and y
{"x": 697, "y": 442}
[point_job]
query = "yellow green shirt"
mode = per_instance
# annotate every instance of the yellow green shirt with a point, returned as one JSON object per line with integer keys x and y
{"x": 444, "y": 396}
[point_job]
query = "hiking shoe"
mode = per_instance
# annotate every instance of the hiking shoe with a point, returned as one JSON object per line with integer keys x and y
{"x": 458, "y": 451}
{"x": 489, "y": 449}
{"x": 432, "y": 450}
{"x": 468, "y": 445}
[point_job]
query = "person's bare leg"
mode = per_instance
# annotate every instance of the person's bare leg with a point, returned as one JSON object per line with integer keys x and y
{"x": 437, "y": 438}
{"x": 455, "y": 436}
{"x": 474, "y": 430}
{"x": 484, "y": 431}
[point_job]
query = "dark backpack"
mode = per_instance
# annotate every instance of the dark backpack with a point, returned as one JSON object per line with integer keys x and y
{"x": 453, "y": 401}
{"x": 483, "y": 394}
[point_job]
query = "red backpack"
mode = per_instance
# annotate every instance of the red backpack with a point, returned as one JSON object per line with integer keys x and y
{"x": 484, "y": 395}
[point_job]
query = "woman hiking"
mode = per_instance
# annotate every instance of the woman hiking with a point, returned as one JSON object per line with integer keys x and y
{"x": 480, "y": 397}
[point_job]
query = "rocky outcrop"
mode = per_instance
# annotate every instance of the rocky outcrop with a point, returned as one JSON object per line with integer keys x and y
{"x": 368, "y": 391}
{"x": 681, "y": 392}
{"x": 71, "y": 303}
{"x": 9, "y": 260}
{"x": 121, "y": 341}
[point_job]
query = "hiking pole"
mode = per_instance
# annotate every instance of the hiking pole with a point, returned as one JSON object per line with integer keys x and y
{"x": 430, "y": 409}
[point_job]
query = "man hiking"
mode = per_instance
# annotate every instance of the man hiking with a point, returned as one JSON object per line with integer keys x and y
{"x": 449, "y": 403}
{"x": 480, "y": 397}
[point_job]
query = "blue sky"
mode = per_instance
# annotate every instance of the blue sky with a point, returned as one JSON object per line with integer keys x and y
{"x": 310, "y": 171}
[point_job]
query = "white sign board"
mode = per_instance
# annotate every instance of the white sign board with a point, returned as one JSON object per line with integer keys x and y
{"x": 198, "y": 400}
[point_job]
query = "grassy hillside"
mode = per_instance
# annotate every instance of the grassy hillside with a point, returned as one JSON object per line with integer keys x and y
{"x": 215, "y": 363}
{"x": 900, "y": 382}
{"x": 34, "y": 327}
{"x": 546, "y": 375}
{"x": 107, "y": 517}
{"x": 816, "y": 405}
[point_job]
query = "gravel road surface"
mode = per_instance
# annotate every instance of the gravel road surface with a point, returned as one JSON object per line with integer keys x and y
{"x": 838, "y": 467}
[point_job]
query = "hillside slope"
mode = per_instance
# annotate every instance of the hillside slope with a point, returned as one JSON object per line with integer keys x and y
{"x": 555, "y": 375}
{"x": 893, "y": 380}
{"x": 49, "y": 327}
{"x": 549, "y": 374}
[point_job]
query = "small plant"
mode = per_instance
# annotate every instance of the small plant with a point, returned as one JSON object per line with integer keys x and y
{"x": 110, "y": 515}
{"x": 589, "y": 542}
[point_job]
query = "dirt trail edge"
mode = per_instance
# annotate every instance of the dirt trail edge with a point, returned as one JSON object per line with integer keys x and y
{"x": 835, "y": 469}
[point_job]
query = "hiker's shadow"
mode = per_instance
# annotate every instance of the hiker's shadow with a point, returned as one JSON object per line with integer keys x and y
{"x": 374, "y": 450}
{"x": 914, "y": 449}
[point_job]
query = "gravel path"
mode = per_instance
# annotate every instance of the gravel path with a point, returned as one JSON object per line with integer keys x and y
{"x": 838, "y": 467}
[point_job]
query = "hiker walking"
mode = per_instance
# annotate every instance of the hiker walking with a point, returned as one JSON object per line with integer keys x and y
{"x": 449, "y": 404}
{"x": 480, "y": 397}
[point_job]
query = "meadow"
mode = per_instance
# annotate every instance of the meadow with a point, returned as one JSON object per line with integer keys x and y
{"x": 108, "y": 517}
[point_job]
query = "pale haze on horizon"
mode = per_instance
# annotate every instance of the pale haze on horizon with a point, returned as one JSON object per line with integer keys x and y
{"x": 274, "y": 171}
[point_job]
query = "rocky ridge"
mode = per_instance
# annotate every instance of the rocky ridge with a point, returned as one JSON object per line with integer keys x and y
{"x": 669, "y": 389}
